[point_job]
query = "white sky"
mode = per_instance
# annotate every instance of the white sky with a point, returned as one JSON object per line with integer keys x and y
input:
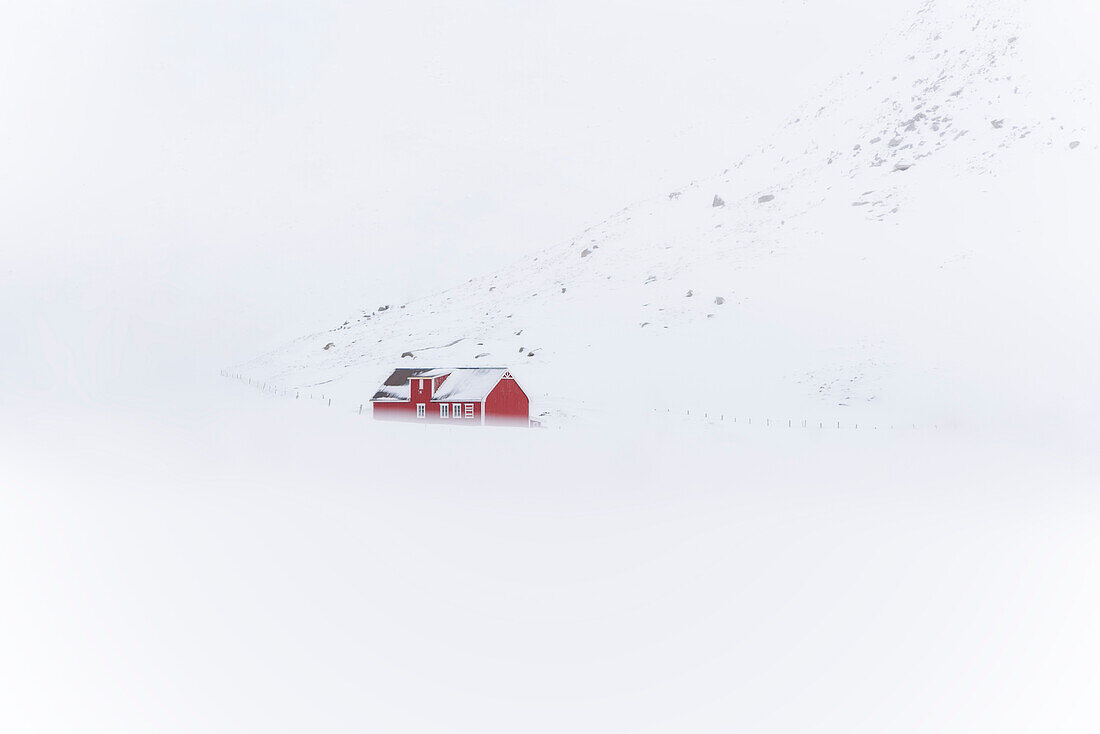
{"x": 188, "y": 184}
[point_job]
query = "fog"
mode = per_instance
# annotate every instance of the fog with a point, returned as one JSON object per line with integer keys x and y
{"x": 187, "y": 186}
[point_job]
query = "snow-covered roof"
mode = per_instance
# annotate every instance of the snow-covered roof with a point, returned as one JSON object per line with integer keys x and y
{"x": 463, "y": 383}
{"x": 469, "y": 383}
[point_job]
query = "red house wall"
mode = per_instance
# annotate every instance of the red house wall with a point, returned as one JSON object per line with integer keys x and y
{"x": 507, "y": 405}
{"x": 420, "y": 395}
{"x": 402, "y": 411}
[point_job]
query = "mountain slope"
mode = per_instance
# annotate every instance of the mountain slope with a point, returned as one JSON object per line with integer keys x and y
{"x": 909, "y": 248}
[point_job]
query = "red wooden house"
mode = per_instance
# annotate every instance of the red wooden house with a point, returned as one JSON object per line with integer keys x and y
{"x": 457, "y": 395}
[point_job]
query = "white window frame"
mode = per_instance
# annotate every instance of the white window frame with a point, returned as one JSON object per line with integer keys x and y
{"x": 420, "y": 410}
{"x": 469, "y": 410}
{"x": 456, "y": 410}
{"x": 444, "y": 410}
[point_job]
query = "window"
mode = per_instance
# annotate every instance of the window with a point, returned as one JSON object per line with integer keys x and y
{"x": 469, "y": 410}
{"x": 420, "y": 410}
{"x": 443, "y": 408}
{"x": 456, "y": 410}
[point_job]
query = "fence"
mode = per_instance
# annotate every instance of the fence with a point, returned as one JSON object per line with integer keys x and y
{"x": 707, "y": 416}
{"x": 793, "y": 423}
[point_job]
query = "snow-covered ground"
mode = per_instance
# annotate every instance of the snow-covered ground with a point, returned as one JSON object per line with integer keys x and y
{"x": 258, "y": 564}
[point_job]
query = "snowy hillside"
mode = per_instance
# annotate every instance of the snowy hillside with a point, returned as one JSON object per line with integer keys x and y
{"x": 887, "y": 255}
